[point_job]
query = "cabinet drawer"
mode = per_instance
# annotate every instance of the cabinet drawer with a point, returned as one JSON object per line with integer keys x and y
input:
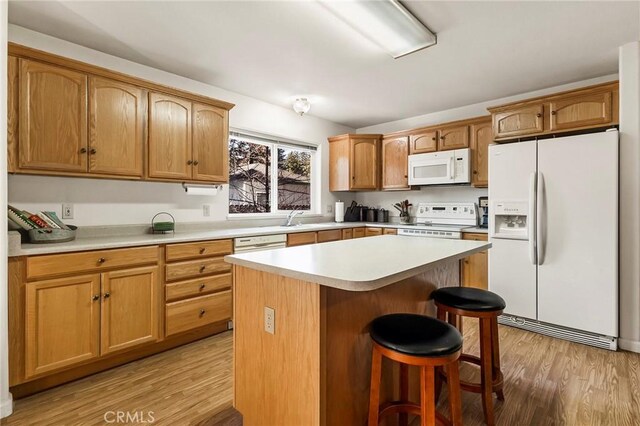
{"x": 474, "y": 236}
{"x": 347, "y": 234}
{"x": 198, "y": 250}
{"x": 61, "y": 264}
{"x": 301, "y": 238}
{"x": 372, "y": 232}
{"x": 358, "y": 232}
{"x": 198, "y": 287}
{"x": 331, "y": 235}
{"x": 196, "y": 268}
{"x": 200, "y": 311}
{"x": 390, "y": 231}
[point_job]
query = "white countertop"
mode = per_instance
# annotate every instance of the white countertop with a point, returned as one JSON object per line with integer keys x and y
{"x": 120, "y": 241}
{"x": 361, "y": 264}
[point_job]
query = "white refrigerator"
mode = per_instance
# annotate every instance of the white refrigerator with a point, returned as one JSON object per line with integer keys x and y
{"x": 554, "y": 228}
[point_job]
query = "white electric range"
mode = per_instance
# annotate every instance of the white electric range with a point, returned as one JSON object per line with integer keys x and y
{"x": 442, "y": 220}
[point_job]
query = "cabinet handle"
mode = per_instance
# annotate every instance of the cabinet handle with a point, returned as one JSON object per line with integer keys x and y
{"x": 202, "y": 312}
{"x": 441, "y": 138}
{"x": 107, "y": 295}
{"x": 538, "y": 115}
{"x": 202, "y": 268}
{"x": 433, "y": 138}
{"x": 83, "y": 150}
{"x": 189, "y": 162}
{"x": 102, "y": 260}
{"x": 195, "y": 163}
{"x": 475, "y": 172}
{"x": 95, "y": 297}
{"x": 553, "y": 112}
{"x": 92, "y": 151}
{"x": 202, "y": 287}
{"x": 202, "y": 250}
{"x": 353, "y": 178}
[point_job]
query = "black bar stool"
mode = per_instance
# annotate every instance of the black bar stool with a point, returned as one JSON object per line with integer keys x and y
{"x": 421, "y": 341}
{"x": 456, "y": 302}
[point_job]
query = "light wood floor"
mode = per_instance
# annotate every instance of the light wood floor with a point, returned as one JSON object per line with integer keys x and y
{"x": 547, "y": 382}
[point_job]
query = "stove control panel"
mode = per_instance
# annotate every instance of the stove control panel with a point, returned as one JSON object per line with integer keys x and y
{"x": 447, "y": 213}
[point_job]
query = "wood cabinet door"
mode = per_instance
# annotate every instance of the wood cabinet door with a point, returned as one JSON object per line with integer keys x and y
{"x": 395, "y": 159}
{"x": 455, "y": 137}
{"x": 372, "y": 232}
{"x": 339, "y": 173}
{"x": 117, "y": 119}
{"x": 481, "y": 138}
{"x": 62, "y": 323}
{"x": 210, "y": 143}
{"x": 523, "y": 121}
{"x": 474, "y": 271}
{"x": 129, "y": 308}
{"x": 169, "y": 137}
{"x": 587, "y": 110}
{"x": 422, "y": 142}
{"x": 329, "y": 235}
{"x": 301, "y": 238}
{"x": 364, "y": 163}
{"x": 53, "y": 118}
{"x": 358, "y": 232}
{"x": 347, "y": 234}
{"x": 390, "y": 231}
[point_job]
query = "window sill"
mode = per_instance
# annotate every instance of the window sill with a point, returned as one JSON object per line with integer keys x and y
{"x": 256, "y": 216}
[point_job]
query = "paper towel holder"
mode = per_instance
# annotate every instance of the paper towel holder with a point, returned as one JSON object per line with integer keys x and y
{"x": 188, "y": 187}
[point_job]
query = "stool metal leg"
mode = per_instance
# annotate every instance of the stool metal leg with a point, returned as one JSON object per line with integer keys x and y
{"x": 427, "y": 397}
{"x": 455, "y": 403}
{"x": 495, "y": 343}
{"x": 486, "y": 382}
{"x": 404, "y": 392}
{"x": 374, "y": 392}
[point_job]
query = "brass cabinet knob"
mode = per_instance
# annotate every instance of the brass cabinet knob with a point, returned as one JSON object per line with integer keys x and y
{"x": 553, "y": 112}
{"x": 475, "y": 172}
{"x": 202, "y": 312}
{"x": 202, "y": 250}
{"x": 433, "y": 138}
{"x": 92, "y": 151}
{"x": 195, "y": 163}
{"x": 95, "y": 297}
{"x": 202, "y": 287}
{"x": 189, "y": 162}
{"x": 83, "y": 150}
{"x": 102, "y": 260}
{"x": 441, "y": 138}
{"x": 202, "y": 268}
{"x": 538, "y": 115}
{"x": 107, "y": 295}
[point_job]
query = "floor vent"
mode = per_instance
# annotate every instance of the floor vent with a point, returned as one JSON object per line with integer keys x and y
{"x": 597, "y": 340}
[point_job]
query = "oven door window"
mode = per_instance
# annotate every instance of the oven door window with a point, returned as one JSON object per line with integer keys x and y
{"x": 431, "y": 171}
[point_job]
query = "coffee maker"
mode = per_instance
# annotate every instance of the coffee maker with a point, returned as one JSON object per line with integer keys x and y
{"x": 483, "y": 204}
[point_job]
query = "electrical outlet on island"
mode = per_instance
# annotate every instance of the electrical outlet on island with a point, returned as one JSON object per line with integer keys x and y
{"x": 67, "y": 211}
{"x": 269, "y": 320}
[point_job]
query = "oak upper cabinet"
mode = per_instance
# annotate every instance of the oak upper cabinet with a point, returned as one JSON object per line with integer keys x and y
{"x": 129, "y": 308}
{"x": 117, "y": 125}
{"x": 210, "y": 143}
{"x": 52, "y": 118}
{"x": 481, "y": 138}
{"x": 584, "y": 110}
{"x": 169, "y": 137}
{"x": 474, "y": 269}
{"x": 453, "y": 137}
{"x": 523, "y": 121}
{"x": 354, "y": 162}
{"x": 62, "y": 323}
{"x": 423, "y": 141}
{"x": 395, "y": 155}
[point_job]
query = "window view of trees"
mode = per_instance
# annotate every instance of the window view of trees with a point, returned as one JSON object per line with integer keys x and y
{"x": 250, "y": 181}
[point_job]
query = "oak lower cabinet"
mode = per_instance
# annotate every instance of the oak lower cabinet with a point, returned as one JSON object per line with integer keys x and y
{"x": 354, "y": 162}
{"x": 301, "y": 238}
{"x": 358, "y": 232}
{"x": 395, "y": 162}
{"x": 390, "y": 231}
{"x": 75, "y": 319}
{"x": 329, "y": 235}
{"x": 474, "y": 270}
{"x": 372, "y": 232}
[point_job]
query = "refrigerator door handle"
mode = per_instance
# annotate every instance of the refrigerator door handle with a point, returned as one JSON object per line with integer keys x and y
{"x": 540, "y": 219}
{"x": 532, "y": 218}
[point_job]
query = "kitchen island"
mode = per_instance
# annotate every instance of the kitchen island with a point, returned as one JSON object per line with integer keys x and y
{"x": 312, "y": 367}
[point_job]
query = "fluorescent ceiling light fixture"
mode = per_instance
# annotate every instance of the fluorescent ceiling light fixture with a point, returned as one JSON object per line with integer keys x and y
{"x": 385, "y": 22}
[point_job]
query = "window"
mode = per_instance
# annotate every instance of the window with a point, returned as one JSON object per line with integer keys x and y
{"x": 254, "y": 186}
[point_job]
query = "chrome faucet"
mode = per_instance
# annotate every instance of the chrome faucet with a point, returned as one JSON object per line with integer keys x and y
{"x": 291, "y": 216}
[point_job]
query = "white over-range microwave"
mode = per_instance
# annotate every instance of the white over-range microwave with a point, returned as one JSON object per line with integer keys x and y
{"x": 440, "y": 168}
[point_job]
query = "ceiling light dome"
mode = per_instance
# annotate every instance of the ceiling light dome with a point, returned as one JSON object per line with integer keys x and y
{"x": 301, "y": 105}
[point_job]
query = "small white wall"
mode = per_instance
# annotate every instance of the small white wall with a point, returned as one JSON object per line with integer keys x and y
{"x": 6, "y": 405}
{"x": 112, "y": 202}
{"x": 629, "y": 69}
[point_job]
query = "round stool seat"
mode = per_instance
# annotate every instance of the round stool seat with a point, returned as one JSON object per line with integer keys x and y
{"x": 469, "y": 299}
{"x": 416, "y": 335}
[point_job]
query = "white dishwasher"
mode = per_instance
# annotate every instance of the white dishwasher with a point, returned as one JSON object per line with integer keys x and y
{"x": 258, "y": 243}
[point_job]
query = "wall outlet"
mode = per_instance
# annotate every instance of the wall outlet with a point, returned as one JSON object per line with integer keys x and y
{"x": 206, "y": 210}
{"x": 329, "y": 208}
{"x": 269, "y": 320}
{"x": 67, "y": 211}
